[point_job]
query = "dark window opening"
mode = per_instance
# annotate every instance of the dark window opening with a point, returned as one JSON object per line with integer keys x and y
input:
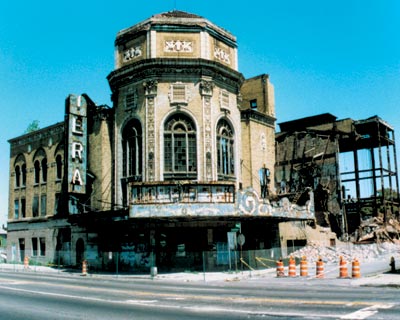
{"x": 253, "y": 104}
{"x": 17, "y": 176}
{"x": 59, "y": 167}
{"x": 37, "y": 171}
{"x": 225, "y": 149}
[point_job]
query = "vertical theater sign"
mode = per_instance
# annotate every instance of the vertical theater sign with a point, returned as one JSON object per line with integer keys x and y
{"x": 76, "y": 119}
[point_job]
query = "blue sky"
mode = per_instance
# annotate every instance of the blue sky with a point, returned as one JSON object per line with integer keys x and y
{"x": 340, "y": 56}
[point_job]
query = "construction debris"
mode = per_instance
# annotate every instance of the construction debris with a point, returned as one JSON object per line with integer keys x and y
{"x": 376, "y": 230}
{"x": 348, "y": 251}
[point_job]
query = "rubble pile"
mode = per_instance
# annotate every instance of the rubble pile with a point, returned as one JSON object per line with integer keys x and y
{"x": 349, "y": 251}
{"x": 376, "y": 230}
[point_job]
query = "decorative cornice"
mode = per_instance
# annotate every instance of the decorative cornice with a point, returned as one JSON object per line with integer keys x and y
{"x": 251, "y": 115}
{"x": 38, "y": 135}
{"x": 169, "y": 70}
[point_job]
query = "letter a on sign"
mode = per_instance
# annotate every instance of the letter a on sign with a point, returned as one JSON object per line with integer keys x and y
{"x": 76, "y": 178}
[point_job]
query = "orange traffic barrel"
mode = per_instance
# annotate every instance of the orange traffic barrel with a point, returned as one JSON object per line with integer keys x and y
{"x": 26, "y": 262}
{"x": 320, "y": 268}
{"x": 280, "y": 271}
{"x": 355, "y": 270}
{"x": 84, "y": 267}
{"x": 292, "y": 267}
{"x": 343, "y": 272}
{"x": 303, "y": 267}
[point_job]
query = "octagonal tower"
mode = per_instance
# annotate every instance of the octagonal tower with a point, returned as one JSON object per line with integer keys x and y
{"x": 175, "y": 91}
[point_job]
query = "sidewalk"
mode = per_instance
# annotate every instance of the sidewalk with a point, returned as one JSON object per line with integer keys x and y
{"x": 373, "y": 273}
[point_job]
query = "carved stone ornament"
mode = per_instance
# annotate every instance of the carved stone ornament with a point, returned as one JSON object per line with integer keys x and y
{"x": 239, "y": 99}
{"x": 178, "y": 46}
{"x": 150, "y": 87}
{"x": 206, "y": 88}
{"x": 132, "y": 53}
{"x": 222, "y": 55}
{"x": 263, "y": 142}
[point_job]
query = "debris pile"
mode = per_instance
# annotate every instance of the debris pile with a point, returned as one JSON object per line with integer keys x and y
{"x": 349, "y": 251}
{"x": 376, "y": 230}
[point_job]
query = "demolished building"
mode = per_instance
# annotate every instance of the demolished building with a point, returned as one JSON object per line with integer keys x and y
{"x": 350, "y": 165}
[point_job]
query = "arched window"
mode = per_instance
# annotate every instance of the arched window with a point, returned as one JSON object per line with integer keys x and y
{"x": 132, "y": 150}
{"x": 44, "y": 169}
{"x": 40, "y": 166}
{"x": 180, "y": 154}
{"x": 37, "y": 171}
{"x": 17, "y": 176}
{"x": 225, "y": 149}
{"x": 23, "y": 169}
{"x": 59, "y": 168}
{"x": 20, "y": 171}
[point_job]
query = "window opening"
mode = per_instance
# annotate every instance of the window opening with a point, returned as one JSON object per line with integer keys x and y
{"x": 132, "y": 149}
{"x": 180, "y": 151}
{"x": 44, "y": 170}
{"x": 35, "y": 206}
{"x": 43, "y": 205}
{"x": 17, "y": 176}
{"x": 225, "y": 148}
{"x": 59, "y": 167}
{"x": 253, "y": 104}
{"x": 34, "y": 246}
{"x": 37, "y": 171}
{"x": 42, "y": 246}
{"x": 16, "y": 209}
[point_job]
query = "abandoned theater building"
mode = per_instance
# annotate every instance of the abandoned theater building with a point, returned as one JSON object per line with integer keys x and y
{"x": 185, "y": 161}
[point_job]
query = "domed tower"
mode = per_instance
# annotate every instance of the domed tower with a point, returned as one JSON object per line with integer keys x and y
{"x": 175, "y": 90}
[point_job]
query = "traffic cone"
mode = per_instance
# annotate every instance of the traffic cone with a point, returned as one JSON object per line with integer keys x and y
{"x": 26, "y": 262}
{"x": 320, "y": 268}
{"x": 84, "y": 267}
{"x": 292, "y": 267}
{"x": 303, "y": 267}
{"x": 343, "y": 272}
{"x": 355, "y": 272}
{"x": 280, "y": 271}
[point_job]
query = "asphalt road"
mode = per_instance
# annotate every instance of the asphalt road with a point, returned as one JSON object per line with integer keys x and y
{"x": 38, "y": 296}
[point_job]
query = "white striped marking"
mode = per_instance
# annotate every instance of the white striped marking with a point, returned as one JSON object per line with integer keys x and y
{"x": 366, "y": 312}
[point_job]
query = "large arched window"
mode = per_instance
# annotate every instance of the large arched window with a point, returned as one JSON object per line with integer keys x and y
{"x": 225, "y": 149}
{"x": 180, "y": 154}
{"x": 132, "y": 150}
{"x": 59, "y": 167}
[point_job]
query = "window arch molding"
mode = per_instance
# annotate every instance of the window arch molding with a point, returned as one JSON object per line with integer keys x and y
{"x": 179, "y": 146}
{"x": 40, "y": 166}
{"x": 59, "y": 161}
{"x": 225, "y": 147}
{"x": 20, "y": 171}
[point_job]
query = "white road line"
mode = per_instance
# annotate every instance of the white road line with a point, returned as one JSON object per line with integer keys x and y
{"x": 366, "y": 312}
{"x": 141, "y": 301}
{"x": 358, "y": 315}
